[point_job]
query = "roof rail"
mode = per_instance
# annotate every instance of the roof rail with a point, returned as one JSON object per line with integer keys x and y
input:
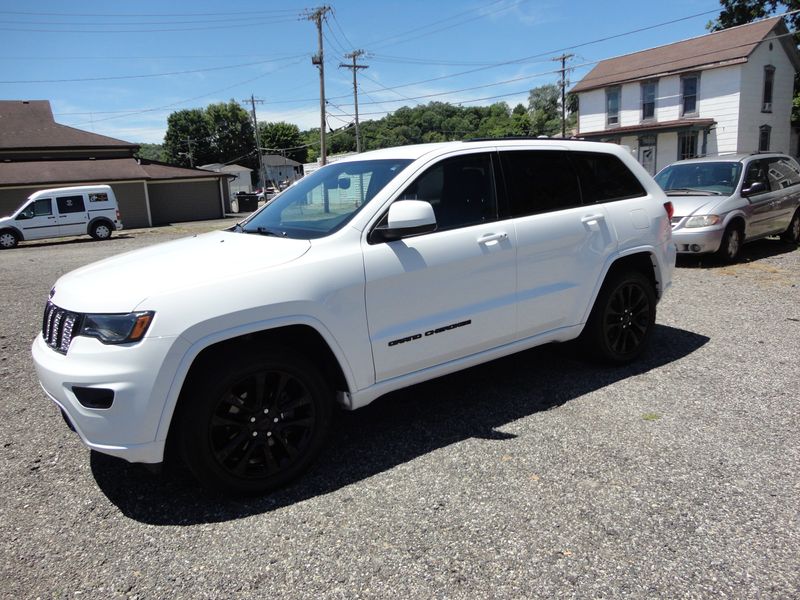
{"x": 540, "y": 138}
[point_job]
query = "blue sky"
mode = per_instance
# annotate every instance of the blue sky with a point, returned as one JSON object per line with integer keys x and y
{"x": 120, "y": 68}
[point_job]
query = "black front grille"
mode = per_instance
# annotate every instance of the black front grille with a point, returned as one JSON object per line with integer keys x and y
{"x": 59, "y": 326}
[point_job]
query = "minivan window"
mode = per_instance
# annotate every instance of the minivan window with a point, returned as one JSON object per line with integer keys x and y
{"x": 717, "y": 178}
{"x": 461, "y": 191}
{"x": 70, "y": 204}
{"x": 325, "y": 200}
{"x": 539, "y": 181}
{"x": 604, "y": 177}
{"x": 782, "y": 174}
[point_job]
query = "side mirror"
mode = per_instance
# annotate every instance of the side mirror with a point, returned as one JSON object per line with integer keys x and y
{"x": 757, "y": 188}
{"x": 406, "y": 218}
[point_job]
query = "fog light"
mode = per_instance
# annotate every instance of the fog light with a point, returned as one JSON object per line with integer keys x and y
{"x": 94, "y": 397}
{"x": 695, "y": 248}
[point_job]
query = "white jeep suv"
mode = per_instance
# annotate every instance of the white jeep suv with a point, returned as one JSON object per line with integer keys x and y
{"x": 371, "y": 274}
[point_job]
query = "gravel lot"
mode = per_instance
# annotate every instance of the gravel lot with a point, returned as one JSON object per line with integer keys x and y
{"x": 537, "y": 476}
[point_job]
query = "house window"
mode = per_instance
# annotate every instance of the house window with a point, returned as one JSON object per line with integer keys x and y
{"x": 648, "y": 100}
{"x": 689, "y": 94}
{"x": 612, "y": 106}
{"x": 687, "y": 145}
{"x": 769, "y": 80}
{"x": 763, "y": 138}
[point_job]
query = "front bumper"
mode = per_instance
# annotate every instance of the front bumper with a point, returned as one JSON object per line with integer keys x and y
{"x": 140, "y": 376}
{"x": 698, "y": 240}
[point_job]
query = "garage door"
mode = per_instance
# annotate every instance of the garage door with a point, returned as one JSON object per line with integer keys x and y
{"x": 184, "y": 201}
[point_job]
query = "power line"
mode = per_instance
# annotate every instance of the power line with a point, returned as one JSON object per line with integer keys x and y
{"x": 249, "y": 23}
{"x": 142, "y": 76}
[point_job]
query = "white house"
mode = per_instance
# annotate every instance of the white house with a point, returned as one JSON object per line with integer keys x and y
{"x": 238, "y": 176}
{"x": 728, "y": 91}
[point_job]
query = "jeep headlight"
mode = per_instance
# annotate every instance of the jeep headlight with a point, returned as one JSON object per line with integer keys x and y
{"x": 115, "y": 328}
{"x": 702, "y": 221}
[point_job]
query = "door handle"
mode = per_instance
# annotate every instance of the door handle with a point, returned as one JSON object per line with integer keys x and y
{"x": 492, "y": 237}
{"x": 592, "y": 222}
{"x": 62, "y": 216}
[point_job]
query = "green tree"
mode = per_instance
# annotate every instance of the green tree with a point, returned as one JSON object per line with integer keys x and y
{"x": 152, "y": 152}
{"x": 282, "y": 136}
{"x": 188, "y": 138}
{"x": 544, "y": 109}
{"x": 231, "y": 129}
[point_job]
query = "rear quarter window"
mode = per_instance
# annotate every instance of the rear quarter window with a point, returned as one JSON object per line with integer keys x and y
{"x": 604, "y": 178}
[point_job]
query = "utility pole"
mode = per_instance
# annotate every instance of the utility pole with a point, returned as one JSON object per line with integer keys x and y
{"x": 355, "y": 67}
{"x": 189, "y": 152}
{"x": 262, "y": 175}
{"x": 563, "y": 70}
{"x": 318, "y": 59}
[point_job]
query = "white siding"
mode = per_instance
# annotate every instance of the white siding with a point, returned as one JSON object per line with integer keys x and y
{"x": 719, "y": 100}
{"x": 630, "y": 105}
{"x": 668, "y": 98}
{"x": 751, "y": 117}
{"x": 592, "y": 111}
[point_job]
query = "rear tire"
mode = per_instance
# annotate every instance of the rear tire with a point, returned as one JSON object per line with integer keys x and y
{"x": 254, "y": 422}
{"x": 101, "y": 231}
{"x": 8, "y": 239}
{"x": 622, "y": 318}
{"x": 792, "y": 233}
{"x": 731, "y": 245}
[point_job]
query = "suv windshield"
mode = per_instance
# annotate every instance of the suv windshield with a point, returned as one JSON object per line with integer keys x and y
{"x": 324, "y": 201}
{"x": 714, "y": 178}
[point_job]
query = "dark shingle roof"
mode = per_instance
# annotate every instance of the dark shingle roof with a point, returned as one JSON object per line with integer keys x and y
{"x": 29, "y": 124}
{"x": 43, "y": 172}
{"x": 721, "y": 48}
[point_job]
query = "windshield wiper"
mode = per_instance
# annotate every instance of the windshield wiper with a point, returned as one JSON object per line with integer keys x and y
{"x": 267, "y": 231}
{"x": 237, "y": 227}
{"x": 694, "y": 191}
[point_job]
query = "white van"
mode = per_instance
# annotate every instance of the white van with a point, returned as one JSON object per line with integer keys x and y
{"x": 60, "y": 212}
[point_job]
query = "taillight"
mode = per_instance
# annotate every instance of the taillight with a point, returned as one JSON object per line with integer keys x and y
{"x": 670, "y": 209}
{"x": 117, "y": 214}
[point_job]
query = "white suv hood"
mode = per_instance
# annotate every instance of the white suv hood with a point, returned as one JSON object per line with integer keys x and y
{"x": 120, "y": 283}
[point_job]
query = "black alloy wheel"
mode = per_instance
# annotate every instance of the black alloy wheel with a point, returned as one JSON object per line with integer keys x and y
{"x": 260, "y": 426}
{"x": 622, "y": 318}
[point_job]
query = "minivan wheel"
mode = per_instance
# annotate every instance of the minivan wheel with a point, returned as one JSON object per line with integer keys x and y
{"x": 101, "y": 231}
{"x": 254, "y": 424}
{"x": 731, "y": 244}
{"x": 622, "y": 318}
{"x": 8, "y": 239}
{"x": 792, "y": 233}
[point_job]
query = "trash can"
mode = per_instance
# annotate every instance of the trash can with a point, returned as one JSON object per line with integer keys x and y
{"x": 247, "y": 202}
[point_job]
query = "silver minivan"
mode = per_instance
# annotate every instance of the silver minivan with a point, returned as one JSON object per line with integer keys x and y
{"x": 61, "y": 212}
{"x": 724, "y": 201}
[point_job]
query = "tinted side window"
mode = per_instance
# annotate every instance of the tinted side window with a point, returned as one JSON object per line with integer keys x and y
{"x": 539, "y": 181}
{"x": 782, "y": 174}
{"x": 461, "y": 191}
{"x": 604, "y": 177}
{"x": 70, "y": 204}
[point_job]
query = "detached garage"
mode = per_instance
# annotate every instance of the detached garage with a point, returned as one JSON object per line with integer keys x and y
{"x": 38, "y": 153}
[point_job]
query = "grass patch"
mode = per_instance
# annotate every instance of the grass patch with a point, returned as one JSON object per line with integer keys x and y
{"x": 651, "y": 416}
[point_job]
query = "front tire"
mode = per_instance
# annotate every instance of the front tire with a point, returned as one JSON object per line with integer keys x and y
{"x": 622, "y": 318}
{"x": 792, "y": 233}
{"x": 731, "y": 245}
{"x": 8, "y": 239}
{"x": 253, "y": 424}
